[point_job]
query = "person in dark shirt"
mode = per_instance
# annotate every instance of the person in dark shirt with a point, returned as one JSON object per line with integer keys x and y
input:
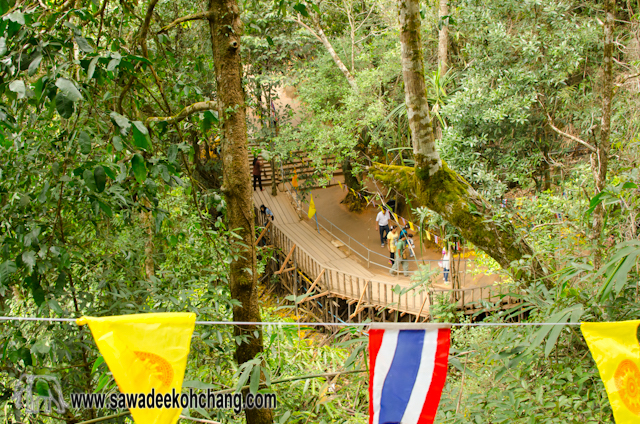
{"x": 257, "y": 172}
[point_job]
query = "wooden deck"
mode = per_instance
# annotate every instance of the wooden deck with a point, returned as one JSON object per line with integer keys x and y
{"x": 337, "y": 275}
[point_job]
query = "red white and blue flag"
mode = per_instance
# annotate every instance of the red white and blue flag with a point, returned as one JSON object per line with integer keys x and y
{"x": 408, "y": 370}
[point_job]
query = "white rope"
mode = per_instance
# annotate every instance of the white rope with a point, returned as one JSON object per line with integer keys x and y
{"x": 329, "y": 324}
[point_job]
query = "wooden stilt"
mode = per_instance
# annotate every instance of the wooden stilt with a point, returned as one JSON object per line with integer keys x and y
{"x": 284, "y": 263}
{"x": 360, "y": 300}
{"x": 263, "y": 233}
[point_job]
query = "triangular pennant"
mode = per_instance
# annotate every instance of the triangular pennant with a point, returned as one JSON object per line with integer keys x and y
{"x": 428, "y": 235}
{"x": 340, "y": 184}
{"x": 408, "y": 369}
{"x": 614, "y": 348}
{"x": 312, "y": 208}
{"x": 411, "y": 226}
{"x": 146, "y": 353}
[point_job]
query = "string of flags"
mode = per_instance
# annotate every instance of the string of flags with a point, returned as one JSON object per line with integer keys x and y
{"x": 408, "y": 362}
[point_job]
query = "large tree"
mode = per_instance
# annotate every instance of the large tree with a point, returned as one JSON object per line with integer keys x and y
{"x": 431, "y": 181}
{"x": 226, "y": 29}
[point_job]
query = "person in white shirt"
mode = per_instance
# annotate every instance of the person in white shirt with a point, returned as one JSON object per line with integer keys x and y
{"x": 445, "y": 265}
{"x": 383, "y": 225}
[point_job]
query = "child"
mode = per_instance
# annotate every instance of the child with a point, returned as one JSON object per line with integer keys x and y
{"x": 412, "y": 246}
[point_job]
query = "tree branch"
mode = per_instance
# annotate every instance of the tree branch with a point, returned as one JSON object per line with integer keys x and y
{"x": 308, "y": 28}
{"x": 569, "y": 136}
{"x": 184, "y": 113}
{"x": 564, "y": 134}
{"x": 144, "y": 29}
{"x": 194, "y": 17}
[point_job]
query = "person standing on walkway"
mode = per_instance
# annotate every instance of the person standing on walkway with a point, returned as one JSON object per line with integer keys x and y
{"x": 404, "y": 233}
{"x": 402, "y": 256}
{"x": 257, "y": 173}
{"x": 444, "y": 263}
{"x": 383, "y": 225}
{"x": 391, "y": 243}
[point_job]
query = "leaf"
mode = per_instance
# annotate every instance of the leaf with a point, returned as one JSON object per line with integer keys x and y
{"x": 255, "y": 379}
{"x": 160, "y": 217}
{"x": 83, "y": 44}
{"x": 106, "y": 209}
{"x": 198, "y": 385}
{"x": 285, "y": 417}
{"x": 43, "y": 194}
{"x": 18, "y": 87}
{"x": 69, "y": 89}
{"x": 89, "y": 180}
{"x": 7, "y": 268}
{"x": 173, "y": 153}
{"x": 15, "y": 16}
{"x": 121, "y": 121}
{"x": 64, "y": 105}
{"x": 114, "y": 62}
{"x": 139, "y": 168}
{"x": 36, "y": 290}
{"x": 301, "y": 9}
{"x": 92, "y": 67}
{"x": 104, "y": 379}
{"x": 141, "y": 135}
{"x": 29, "y": 259}
{"x": 100, "y": 178}
{"x": 573, "y": 311}
{"x": 117, "y": 143}
{"x": 55, "y": 306}
{"x": 35, "y": 63}
{"x": 84, "y": 140}
{"x": 3, "y": 46}
{"x": 97, "y": 363}
{"x": 41, "y": 346}
{"x": 270, "y": 40}
{"x": 245, "y": 375}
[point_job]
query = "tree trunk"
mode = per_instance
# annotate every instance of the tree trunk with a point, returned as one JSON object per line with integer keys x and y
{"x": 431, "y": 181}
{"x": 335, "y": 57}
{"x": 226, "y": 29}
{"x": 443, "y": 37}
{"x": 599, "y": 159}
{"x": 148, "y": 224}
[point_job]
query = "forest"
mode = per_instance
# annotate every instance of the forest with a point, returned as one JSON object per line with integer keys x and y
{"x": 504, "y": 128}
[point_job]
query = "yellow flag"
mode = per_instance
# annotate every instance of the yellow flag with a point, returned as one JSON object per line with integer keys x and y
{"x": 145, "y": 352}
{"x": 312, "y": 208}
{"x": 396, "y": 218}
{"x": 428, "y": 235}
{"x": 614, "y": 347}
{"x": 411, "y": 226}
{"x": 340, "y": 184}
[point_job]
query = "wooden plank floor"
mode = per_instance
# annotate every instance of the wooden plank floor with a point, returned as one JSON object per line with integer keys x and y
{"x": 345, "y": 277}
{"x": 288, "y": 221}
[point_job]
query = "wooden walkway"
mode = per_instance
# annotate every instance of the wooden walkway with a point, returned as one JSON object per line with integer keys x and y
{"x": 329, "y": 272}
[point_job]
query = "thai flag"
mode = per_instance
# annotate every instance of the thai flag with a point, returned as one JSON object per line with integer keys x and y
{"x": 408, "y": 370}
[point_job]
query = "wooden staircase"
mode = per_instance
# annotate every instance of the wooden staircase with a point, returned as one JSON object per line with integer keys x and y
{"x": 300, "y": 164}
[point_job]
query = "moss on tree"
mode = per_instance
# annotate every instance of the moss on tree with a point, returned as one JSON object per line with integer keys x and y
{"x": 448, "y": 194}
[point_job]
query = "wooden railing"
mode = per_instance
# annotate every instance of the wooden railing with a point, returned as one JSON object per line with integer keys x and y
{"x": 369, "y": 292}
